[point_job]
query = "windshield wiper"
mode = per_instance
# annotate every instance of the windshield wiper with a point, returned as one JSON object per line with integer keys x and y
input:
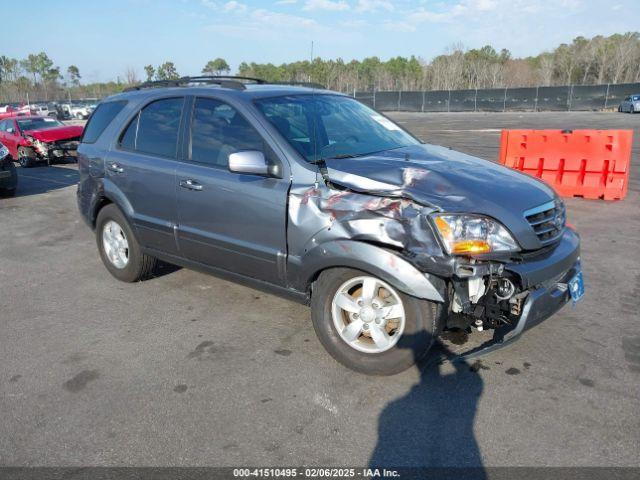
{"x": 336, "y": 157}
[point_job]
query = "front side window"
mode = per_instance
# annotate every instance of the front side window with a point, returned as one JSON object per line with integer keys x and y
{"x": 218, "y": 130}
{"x": 330, "y": 126}
{"x": 154, "y": 130}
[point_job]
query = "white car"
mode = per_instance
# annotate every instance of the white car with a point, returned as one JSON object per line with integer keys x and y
{"x": 79, "y": 111}
{"x": 630, "y": 104}
{"x": 42, "y": 110}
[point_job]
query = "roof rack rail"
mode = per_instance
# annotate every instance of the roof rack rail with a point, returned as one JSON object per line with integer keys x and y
{"x": 227, "y": 81}
{"x": 300, "y": 84}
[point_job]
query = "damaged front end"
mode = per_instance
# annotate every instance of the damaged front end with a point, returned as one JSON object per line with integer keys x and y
{"x": 386, "y": 218}
{"x": 56, "y": 150}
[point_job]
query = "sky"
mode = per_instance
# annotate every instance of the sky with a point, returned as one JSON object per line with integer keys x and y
{"x": 105, "y": 37}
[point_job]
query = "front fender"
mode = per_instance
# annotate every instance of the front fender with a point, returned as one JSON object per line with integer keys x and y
{"x": 383, "y": 263}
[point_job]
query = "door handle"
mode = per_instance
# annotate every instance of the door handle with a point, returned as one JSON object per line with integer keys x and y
{"x": 190, "y": 184}
{"x": 114, "y": 167}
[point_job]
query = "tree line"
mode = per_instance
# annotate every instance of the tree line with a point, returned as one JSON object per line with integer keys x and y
{"x": 584, "y": 61}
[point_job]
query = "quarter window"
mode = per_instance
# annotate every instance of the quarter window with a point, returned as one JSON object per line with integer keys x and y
{"x": 217, "y": 130}
{"x": 100, "y": 120}
{"x": 155, "y": 129}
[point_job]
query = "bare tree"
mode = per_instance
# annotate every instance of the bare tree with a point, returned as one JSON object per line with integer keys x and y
{"x": 131, "y": 76}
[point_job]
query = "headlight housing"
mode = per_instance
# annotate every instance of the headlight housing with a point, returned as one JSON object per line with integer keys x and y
{"x": 464, "y": 234}
{"x": 40, "y": 147}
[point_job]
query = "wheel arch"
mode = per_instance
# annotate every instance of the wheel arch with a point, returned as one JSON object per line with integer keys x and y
{"x": 110, "y": 194}
{"x": 374, "y": 260}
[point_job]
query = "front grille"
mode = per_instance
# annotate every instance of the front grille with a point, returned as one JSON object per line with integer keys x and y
{"x": 548, "y": 221}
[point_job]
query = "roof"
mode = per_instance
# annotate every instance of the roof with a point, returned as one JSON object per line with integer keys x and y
{"x": 236, "y": 86}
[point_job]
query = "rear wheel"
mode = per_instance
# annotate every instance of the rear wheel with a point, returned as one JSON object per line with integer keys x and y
{"x": 26, "y": 157}
{"x": 368, "y": 325}
{"x": 118, "y": 247}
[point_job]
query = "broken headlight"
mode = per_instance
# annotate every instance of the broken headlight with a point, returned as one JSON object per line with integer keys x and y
{"x": 473, "y": 234}
{"x": 40, "y": 147}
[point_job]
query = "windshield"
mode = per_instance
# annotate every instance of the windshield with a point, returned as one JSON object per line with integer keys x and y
{"x": 38, "y": 123}
{"x": 329, "y": 126}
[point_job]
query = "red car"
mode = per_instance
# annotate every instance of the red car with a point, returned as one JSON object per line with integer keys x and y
{"x": 32, "y": 139}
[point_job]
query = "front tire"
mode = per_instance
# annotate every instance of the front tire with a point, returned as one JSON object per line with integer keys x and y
{"x": 26, "y": 157}
{"x": 368, "y": 325}
{"x": 118, "y": 247}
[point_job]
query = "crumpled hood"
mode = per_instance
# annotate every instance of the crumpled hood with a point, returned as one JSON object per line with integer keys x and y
{"x": 54, "y": 134}
{"x": 451, "y": 181}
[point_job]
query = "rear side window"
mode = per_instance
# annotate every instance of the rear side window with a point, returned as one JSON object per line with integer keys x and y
{"x": 155, "y": 129}
{"x": 100, "y": 120}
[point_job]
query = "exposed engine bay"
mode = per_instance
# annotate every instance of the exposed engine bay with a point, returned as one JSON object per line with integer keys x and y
{"x": 56, "y": 150}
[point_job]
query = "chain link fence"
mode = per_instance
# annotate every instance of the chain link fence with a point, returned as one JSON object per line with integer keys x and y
{"x": 533, "y": 99}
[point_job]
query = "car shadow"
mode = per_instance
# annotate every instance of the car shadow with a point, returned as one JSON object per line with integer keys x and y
{"x": 163, "y": 268}
{"x": 431, "y": 426}
{"x": 42, "y": 179}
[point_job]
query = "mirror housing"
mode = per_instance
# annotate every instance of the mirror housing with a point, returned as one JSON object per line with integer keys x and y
{"x": 249, "y": 161}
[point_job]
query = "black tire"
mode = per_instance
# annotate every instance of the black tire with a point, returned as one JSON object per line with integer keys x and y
{"x": 7, "y": 192}
{"x": 422, "y": 325}
{"x": 139, "y": 265}
{"x": 26, "y": 157}
{"x": 632, "y": 110}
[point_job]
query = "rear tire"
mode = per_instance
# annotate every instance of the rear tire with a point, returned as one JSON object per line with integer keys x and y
{"x": 420, "y": 325}
{"x": 128, "y": 264}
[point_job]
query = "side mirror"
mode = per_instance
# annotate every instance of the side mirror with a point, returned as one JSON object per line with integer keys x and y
{"x": 10, "y": 130}
{"x": 249, "y": 161}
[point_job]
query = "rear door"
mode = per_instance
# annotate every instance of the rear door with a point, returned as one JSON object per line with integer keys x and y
{"x": 142, "y": 167}
{"x": 232, "y": 221}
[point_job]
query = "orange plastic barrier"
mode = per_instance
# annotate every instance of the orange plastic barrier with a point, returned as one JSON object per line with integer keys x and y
{"x": 578, "y": 163}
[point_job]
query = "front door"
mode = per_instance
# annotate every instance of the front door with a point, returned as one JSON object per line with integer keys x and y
{"x": 142, "y": 168}
{"x": 228, "y": 220}
{"x": 9, "y": 136}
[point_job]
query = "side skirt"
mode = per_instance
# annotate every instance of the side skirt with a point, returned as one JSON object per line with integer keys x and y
{"x": 288, "y": 293}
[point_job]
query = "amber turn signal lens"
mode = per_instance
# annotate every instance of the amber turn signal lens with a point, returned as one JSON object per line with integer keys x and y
{"x": 445, "y": 229}
{"x": 470, "y": 246}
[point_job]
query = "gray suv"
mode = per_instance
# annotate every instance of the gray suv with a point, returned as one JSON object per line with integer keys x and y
{"x": 310, "y": 194}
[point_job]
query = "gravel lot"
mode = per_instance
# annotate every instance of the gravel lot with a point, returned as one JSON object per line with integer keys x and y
{"x": 187, "y": 369}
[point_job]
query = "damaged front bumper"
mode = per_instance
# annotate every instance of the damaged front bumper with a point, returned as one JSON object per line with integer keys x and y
{"x": 543, "y": 289}
{"x": 58, "y": 150}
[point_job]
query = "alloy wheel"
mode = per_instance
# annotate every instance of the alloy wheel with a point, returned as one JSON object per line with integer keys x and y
{"x": 115, "y": 244}
{"x": 368, "y": 314}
